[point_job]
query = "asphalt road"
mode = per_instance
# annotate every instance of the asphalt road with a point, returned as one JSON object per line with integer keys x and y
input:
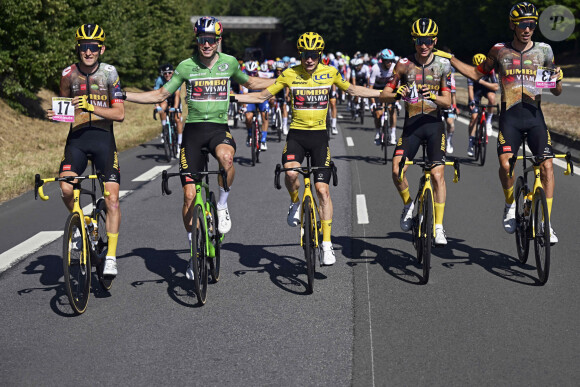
{"x": 481, "y": 319}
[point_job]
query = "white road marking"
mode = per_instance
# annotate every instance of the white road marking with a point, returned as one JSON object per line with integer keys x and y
{"x": 361, "y": 209}
{"x": 559, "y": 162}
{"x": 152, "y": 173}
{"x": 349, "y": 141}
{"x": 29, "y": 246}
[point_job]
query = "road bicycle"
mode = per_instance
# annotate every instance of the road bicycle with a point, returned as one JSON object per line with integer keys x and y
{"x": 277, "y": 119}
{"x": 423, "y": 228}
{"x": 358, "y": 110}
{"x": 84, "y": 240}
{"x": 310, "y": 225}
{"x": 532, "y": 217}
{"x": 206, "y": 240}
{"x": 169, "y": 135}
{"x": 383, "y": 131}
{"x": 481, "y": 138}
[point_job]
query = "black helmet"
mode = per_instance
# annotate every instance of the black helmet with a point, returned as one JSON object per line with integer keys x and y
{"x": 165, "y": 67}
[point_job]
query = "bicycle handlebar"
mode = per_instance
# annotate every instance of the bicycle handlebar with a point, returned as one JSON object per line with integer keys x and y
{"x": 304, "y": 171}
{"x": 537, "y": 160}
{"x": 195, "y": 176}
{"x": 38, "y": 183}
{"x": 428, "y": 166}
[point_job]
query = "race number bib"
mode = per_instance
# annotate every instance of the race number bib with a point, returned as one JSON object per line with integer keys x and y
{"x": 63, "y": 109}
{"x": 413, "y": 95}
{"x": 544, "y": 78}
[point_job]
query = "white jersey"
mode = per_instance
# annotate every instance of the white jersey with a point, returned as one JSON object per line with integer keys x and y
{"x": 379, "y": 76}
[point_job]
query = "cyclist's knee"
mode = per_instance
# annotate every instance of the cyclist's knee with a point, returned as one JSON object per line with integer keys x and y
{"x": 323, "y": 192}
{"x": 112, "y": 201}
{"x": 188, "y": 193}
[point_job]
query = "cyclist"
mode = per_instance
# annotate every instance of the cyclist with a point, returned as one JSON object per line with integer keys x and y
{"x": 97, "y": 97}
{"x": 485, "y": 86}
{"x": 380, "y": 74}
{"x": 171, "y": 104}
{"x": 282, "y": 97}
{"x": 517, "y": 63}
{"x": 450, "y": 114}
{"x": 425, "y": 82}
{"x": 207, "y": 75}
{"x": 310, "y": 84}
{"x": 359, "y": 76}
{"x": 252, "y": 69}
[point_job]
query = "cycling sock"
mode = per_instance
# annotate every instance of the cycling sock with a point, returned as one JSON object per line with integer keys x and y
{"x": 112, "y": 244}
{"x": 449, "y": 136}
{"x": 393, "y": 130}
{"x": 549, "y": 202}
{"x": 509, "y": 196}
{"x": 488, "y": 118}
{"x": 294, "y": 196}
{"x": 179, "y": 136}
{"x": 333, "y": 122}
{"x": 406, "y": 196}
{"x": 285, "y": 122}
{"x": 439, "y": 210}
{"x": 223, "y": 200}
{"x": 326, "y": 226}
{"x": 264, "y": 136}
{"x": 163, "y": 122}
{"x": 471, "y": 140}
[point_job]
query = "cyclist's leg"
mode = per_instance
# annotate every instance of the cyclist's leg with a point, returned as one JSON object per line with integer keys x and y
{"x": 163, "y": 112}
{"x": 264, "y": 109}
{"x": 489, "y": 115}
{"x": 392, "y": 109}
{"x": 223, "y": 147}
{"x": 190, "y": 160}
{"x": 73, "y": 163}
{"x": 250, "y": 110}
{"x": 540, "y": 144}
{"x": 292, "y": 157}
{"x": 436, "y": 152}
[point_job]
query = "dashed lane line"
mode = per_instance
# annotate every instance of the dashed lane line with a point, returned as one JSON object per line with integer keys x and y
{"x": 349, "y": 141}
{"x": 361, "y": 209}
{"x": 152, "y": 173}
{"x": 29, "y": 246}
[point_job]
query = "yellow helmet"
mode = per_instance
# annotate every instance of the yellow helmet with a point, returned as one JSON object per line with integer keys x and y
{"x": 90, "y": 32}
{"x": 523, "y": 10}
{"x": 424, "y": 27}
{"x": 310, "y": 41}
{"x": 478, "y": 59}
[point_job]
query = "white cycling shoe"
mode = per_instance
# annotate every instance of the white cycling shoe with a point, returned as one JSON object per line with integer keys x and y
{"x": 328, "y": 257}
{"x": 440, "y": 237}
{"x": 509, "y": 218}
{"x": 294, "y": 214}
{"x": 224, "y": 220}
{"x": 110, "y": 266}
{"x": 407, "y": 217}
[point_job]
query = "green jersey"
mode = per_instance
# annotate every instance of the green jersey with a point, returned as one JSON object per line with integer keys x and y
{"x": 208, "y": 90}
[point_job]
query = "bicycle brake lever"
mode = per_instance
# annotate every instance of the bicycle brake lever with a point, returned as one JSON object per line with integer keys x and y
{"x": 570, "y": 165}
{"x": 37, "y": 184}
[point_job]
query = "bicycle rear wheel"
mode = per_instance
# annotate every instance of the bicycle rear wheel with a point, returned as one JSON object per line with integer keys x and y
{"x": 253, "y": 142}
{"x": 76, "y": 264}
{"x": 481, "y": 134}
{"x": 198, "y": 256}
{"x": 308, "y": 239}
{"x": 522, "y": 240}
{"x": 215, "y": 262}
{"x": 541, "y": 235}
{"x": 101, "y": 244}
{"x": 426, "y": 236}
{"x": 166, "y": 143}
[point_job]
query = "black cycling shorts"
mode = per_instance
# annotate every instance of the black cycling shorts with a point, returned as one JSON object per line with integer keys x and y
{"x": 523, "y": 118}
{"x": 196, "y": 136}
{"x": 418, "y": 129}
{"x": 477, "y": 95}
{"x": 298, "y": 142}
{"x": 96, "y": 144}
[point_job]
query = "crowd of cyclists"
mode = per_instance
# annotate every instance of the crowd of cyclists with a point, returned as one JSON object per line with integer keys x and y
{"x": 308, "y": 86}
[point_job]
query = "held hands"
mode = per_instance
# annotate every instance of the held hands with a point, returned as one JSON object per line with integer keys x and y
{"x": 84, "y": 104}
{"x": 401, "y": 92}
{"x": 442, "y": 54}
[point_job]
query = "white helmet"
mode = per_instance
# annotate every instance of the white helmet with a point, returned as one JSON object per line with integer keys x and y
{"x": 339, "y": 54}
{"x": 331, "y": 56}
{"x": 264, "y": 66}
{"x": 252, "y": 66}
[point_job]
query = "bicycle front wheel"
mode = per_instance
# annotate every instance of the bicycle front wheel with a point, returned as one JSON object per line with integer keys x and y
{"x": 522, "y": 215}
{"x": 384, "y": 141}
{"x": 101, "y": 244}
{"x": 541, "y": 235}
{"x": 253, "y": 138}
{"x": 279, "y": 124}
{"x": 426, "y": 236}
{"x": 482, "y": 138}
{"x": 76, "y": 264}
{"x": 215, "y": 262}
{"x": 166, "y": 143}
{"x": 198, "y": 258}
{"x": 308, "y": 239}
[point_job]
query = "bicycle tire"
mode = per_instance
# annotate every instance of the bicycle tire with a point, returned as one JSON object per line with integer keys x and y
{"x": 279, "y": 124}
{"x": 173, "y": 136}
{"x": 541, "y": 235}
{"x": 101, "y": 244}
{"x": 215, "y": 262}
{"x": 258, "y": 133}
{"x": 198, "y": 256}
{"x": 476, "y": 144}
{"x": 253, "y": 142}
{"x": 362, "y": 114}
{"x": 482, "y": 143}
{"x": 522, "y": 232}
{"x": 308, "y": 243}
{"x": 384, "y": 142}
{"x": 166, "y": 144}
{"x": 427, "y": 233}
{"x": 76, "y": 265}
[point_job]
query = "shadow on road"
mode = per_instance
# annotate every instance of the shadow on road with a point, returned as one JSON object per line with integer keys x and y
{"x": 287, "y": 273}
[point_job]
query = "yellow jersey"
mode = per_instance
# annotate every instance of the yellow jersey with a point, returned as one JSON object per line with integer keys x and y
{"x": 310, "y": 94}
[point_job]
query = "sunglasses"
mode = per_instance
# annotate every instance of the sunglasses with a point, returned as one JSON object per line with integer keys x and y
{"x": 424, "y": 40}
{"x": 309, "y": 55}
{"x": 523, "y": 25}
{"x": 201, "y": 40}
{"x": 167, "y": 72}
{"x": 94, "y": 47}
